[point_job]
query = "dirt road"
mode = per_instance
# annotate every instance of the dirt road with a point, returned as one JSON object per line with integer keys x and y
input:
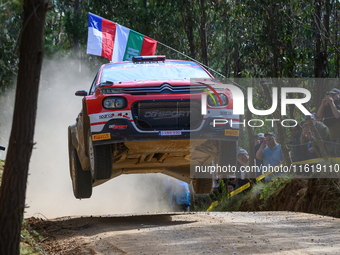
{"x": 192, "y": 233}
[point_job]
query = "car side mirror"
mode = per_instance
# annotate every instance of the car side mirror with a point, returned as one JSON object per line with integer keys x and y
{"x": 81, "y": 93}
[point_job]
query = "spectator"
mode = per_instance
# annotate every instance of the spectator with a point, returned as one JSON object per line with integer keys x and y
{"x": 242, "y": 160}
{"x": 330, "y": 111}
{"x": 219, "y": 183}
{"x": 231, "y": 184}
{"x": 311, "y": 151}
{"x": 270, "y": 151}
{"x": 308, "y": 136}
{"x": 300, "y": 151}
{"x": 259, "y": 162}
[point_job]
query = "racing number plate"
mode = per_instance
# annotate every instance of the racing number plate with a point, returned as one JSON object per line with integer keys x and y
{"x": 170, "y": 133}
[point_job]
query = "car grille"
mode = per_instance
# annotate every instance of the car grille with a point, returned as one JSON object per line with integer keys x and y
{"x": 167, "y": 115}
{"x": 165, "y": 88}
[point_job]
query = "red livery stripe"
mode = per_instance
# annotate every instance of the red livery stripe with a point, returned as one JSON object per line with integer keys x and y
{"x": 98, "y": 123}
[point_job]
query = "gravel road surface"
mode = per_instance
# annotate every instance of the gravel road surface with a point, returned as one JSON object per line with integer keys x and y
{"x": 192, "y": 233}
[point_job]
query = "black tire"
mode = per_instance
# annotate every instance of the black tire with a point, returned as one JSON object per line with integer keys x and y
{"x": 100, "y": 158}
{"x": 81, "y": 180}
{"x": 202, "y": 185}
{"x": 185, "y": 208}
{"x": 228, "y": 153}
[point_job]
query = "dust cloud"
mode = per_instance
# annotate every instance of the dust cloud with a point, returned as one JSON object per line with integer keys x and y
{"x": 6, "y": 113}
{"x": 49, "y": 188}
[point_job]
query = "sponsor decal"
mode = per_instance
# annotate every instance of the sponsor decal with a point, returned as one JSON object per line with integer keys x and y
{"x": 106, "y": 116}
{"x": 118, "y": 126}
{"x": 166, "y": 114}
{"x": 99, "y": 137}
{"x": 170, "y": 132}
{"x": 231, "y": 132}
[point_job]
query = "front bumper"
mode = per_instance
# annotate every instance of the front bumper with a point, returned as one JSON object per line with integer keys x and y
{"x": 128, "y": 131}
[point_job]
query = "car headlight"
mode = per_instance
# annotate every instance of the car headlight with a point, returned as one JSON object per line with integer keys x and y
{"x": 114, "y": 103}
{"x": 223, "y": 98}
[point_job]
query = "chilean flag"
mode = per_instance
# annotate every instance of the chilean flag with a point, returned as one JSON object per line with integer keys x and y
{"x": 116, "y": 42}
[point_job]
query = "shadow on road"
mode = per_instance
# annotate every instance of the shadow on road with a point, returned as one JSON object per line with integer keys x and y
{"x": 101, "y": 224}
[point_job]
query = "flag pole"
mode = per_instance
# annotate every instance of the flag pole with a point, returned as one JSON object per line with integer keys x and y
{"x": 199, "y": 63}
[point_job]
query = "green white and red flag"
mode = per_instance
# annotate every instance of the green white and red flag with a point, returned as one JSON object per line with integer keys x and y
{"x": 116, "y": 42}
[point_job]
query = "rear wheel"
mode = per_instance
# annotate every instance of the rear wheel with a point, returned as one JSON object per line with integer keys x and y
{"x": 81, "y": 180}
{"x": 227, "y": 153}
{"x": 100, "y": 160}
{"x": 202, "y": 185}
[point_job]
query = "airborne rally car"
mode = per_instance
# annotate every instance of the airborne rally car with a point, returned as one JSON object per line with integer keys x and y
{"x": 144, "y": 116}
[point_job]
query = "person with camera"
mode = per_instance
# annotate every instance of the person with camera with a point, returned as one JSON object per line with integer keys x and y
{"x": 300, "y": 150}
{"x": 308, "y": 136}
{"x": 330, "y": 111}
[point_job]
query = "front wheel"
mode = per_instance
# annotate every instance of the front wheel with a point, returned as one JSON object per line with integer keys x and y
{"x": 100, "y": 157}
{"x": 81, "y": 180}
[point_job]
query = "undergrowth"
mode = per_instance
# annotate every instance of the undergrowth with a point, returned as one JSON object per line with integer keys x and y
{"x": 225, "y": 202}
{"x": 29, "y": 240}
{"x": 257, "y": 197}
{"x": 314, "y": 195}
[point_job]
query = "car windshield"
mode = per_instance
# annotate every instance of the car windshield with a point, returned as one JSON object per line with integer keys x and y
{"x": 169, "y": 70}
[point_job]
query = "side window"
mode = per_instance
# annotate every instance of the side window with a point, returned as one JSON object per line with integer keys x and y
{"x": 93, "y": 85}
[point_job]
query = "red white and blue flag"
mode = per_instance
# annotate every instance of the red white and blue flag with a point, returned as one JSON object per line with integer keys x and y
{"x": 116, "y": 42}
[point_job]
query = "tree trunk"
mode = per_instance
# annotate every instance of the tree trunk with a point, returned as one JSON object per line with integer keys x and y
{"x": 318, "y": 55}
{"x": 251, "y": 150}
{"x": 188, "y": 22}
{"x": 76, "y": 12}
{"x": 13, "y": 188}
{"x": 336, "y": 21}
{"x": 203, "y": 34}
{"x": 226, "y": 59}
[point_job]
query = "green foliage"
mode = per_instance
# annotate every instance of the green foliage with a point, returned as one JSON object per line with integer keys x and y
{"x": 225, "y": 202}
{"x": 10, "y": 21}
{"x": 272, "y": 187}
{"x": 223, "y": 195}
{"x": 201, "y": 202}
{"x": 243, "y": 39}
{"x": 29, "y": 240}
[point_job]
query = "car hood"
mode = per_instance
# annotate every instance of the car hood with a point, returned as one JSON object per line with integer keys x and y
{"x": 151, "y": 83}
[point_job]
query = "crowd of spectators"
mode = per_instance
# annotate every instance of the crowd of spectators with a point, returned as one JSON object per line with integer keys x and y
{"x": 304, "y": 143}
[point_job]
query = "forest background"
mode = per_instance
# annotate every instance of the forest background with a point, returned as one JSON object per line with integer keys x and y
{"x": 238, "y": 39}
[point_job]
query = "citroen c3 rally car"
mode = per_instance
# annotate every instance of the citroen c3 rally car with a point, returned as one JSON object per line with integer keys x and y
{"x": 144, "y": 116}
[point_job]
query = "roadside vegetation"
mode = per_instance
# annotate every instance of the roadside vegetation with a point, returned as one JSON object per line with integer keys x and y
{"x": 317, "y": 196}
